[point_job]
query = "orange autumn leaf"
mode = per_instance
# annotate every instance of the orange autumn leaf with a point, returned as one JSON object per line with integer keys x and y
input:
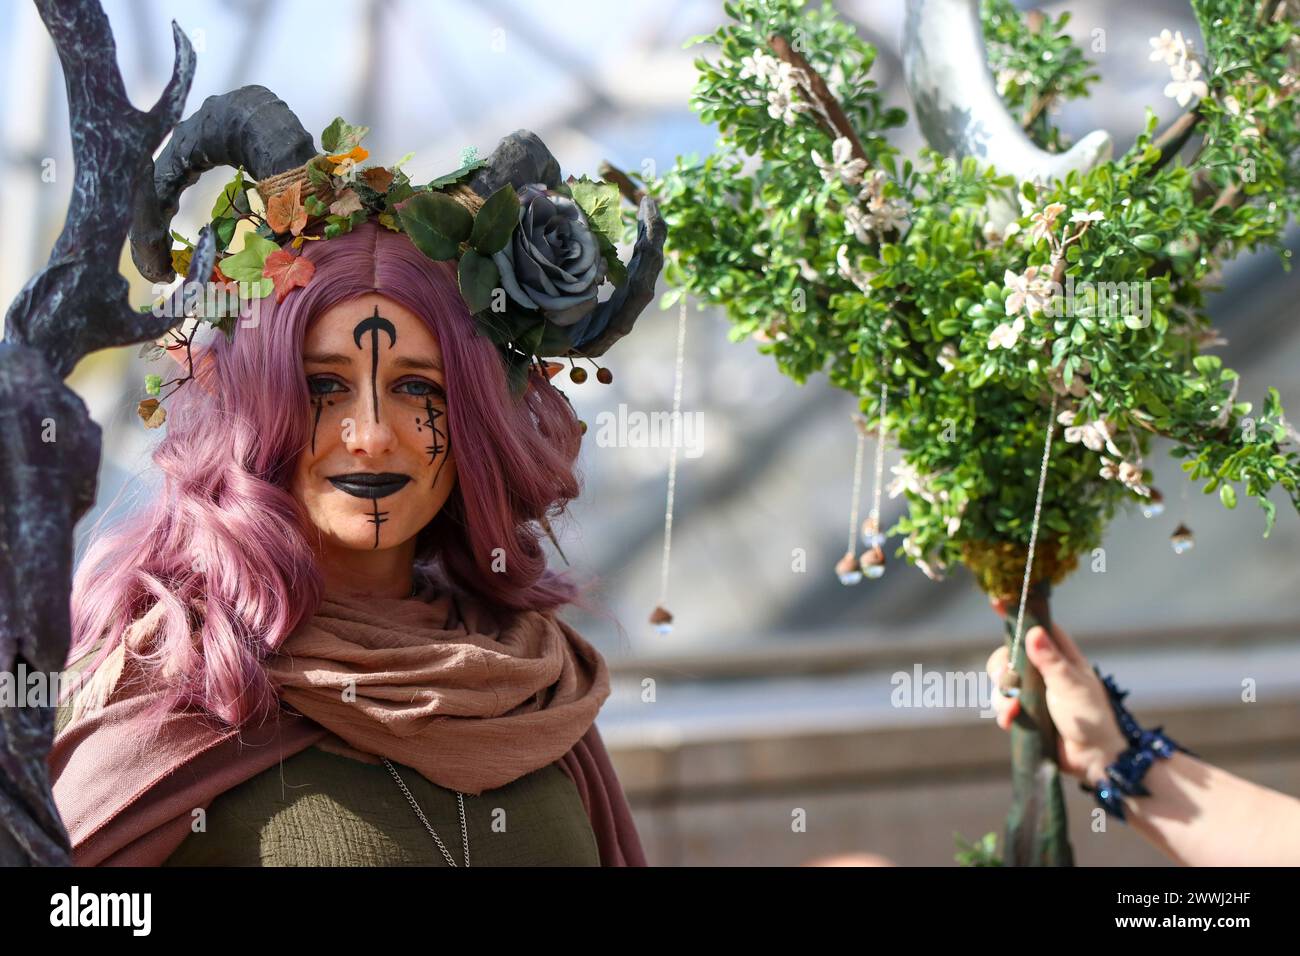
{"x": 287, "y": 272}
{"x": 285, "y": 211}
{"x": 356, "y": 154}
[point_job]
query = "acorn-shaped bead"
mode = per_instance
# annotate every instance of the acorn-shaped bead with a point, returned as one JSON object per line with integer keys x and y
{"x": 872, "y": 562}
{"x": 847, "y": 569}
{"x": 1154, "y": 506}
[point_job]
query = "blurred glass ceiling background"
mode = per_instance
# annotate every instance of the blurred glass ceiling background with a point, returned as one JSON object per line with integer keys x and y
{"x": 611, "y": 81}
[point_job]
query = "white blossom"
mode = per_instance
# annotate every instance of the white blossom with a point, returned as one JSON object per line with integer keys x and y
{"x": 890, "y": 215}
{"x": 858, "y": 223}
{"x": 1171, "y": 49}
{"x": 947, "y": 357}
{"x": 873, "y": 190}
{"x": 1127, "y": 472}
{"x": 1186, "y": 83}
{"x": 851, "y": 272}
{"x": 907, "y": 479}
{"x": 1044, "y": 222}
{"x": 1095, "y": 436}
{"x": 1093, "y": 215}
{"x": 1030, "y": 291}
{"x": 762, "y": 66}
{"x": 913, "y": 550}
{"x": 782, "y": 105}
{"x": 841, "y": 165}
{"x": 1007, "y": 334}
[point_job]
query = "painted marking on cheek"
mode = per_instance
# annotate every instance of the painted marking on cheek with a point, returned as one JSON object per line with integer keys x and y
{"x": 319, "y": 405}
{"x": 373, "y": 324}
{"x": 440, "y": 441}
{"x": 377, "y": 518}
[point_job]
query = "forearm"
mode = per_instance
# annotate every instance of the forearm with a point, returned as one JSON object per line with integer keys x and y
{"x": 1201, "y": 815}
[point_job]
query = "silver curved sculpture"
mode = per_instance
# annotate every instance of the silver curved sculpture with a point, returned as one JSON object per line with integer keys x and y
{"x": 958, "y": 106}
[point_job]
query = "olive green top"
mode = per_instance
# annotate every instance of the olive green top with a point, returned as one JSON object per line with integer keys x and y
{"x": 318, "y": 808}
{"x": 322, "y": 809}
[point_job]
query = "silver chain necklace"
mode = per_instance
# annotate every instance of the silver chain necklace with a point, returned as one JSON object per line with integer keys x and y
{"x": 460, "y": 800}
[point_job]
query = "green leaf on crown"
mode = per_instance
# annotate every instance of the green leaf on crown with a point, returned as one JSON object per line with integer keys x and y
{"x": 316, "y": 175}
{"x": 233, "y": 201}
{"x": 341, "y": 136}
{"x": 601, "y": 203}
{"x": 478, "y": 276}
{"x": 615, "y": 270}
{"x": 457, "y": 176}
{"x": 225, "y": 230}
{"x": 495, "y": 221}
{"x": 247, "y": 264}
{"x": 437, "y": 224}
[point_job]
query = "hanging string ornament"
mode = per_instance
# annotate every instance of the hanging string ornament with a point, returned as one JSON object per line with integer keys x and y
{"x": 872, "y": 560}
{"x": 1182, "y": 540}
{"x": 847, "y": 566}
{"x": 660, "y": 616}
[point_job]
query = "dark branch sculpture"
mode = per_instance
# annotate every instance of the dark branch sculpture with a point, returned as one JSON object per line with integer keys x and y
{"x": 75, "y": 305}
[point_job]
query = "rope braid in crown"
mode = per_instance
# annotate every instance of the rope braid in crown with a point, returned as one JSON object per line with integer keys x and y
{"x": 532, "y": 252}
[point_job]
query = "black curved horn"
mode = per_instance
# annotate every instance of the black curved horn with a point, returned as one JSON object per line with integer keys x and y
{"x": 249, "y": 127}
{"x": 519, "y": 159}
{"x": 614, "y": 317}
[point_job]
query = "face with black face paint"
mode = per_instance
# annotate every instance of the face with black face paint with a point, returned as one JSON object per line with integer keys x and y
{"x": 379, "y": 464}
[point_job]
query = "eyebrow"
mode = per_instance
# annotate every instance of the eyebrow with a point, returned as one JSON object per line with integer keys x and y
{"x": 338, "y": 358}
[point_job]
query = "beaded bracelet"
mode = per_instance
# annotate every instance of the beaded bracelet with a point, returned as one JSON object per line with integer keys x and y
{"x": 1124, "y": 776}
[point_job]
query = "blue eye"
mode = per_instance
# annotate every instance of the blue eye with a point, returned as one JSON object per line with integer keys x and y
{"x": 314, "y": 383}
{"x": 423, "y": 388}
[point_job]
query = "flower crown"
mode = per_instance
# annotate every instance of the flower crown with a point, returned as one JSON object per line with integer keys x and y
{"x": 532, "y": 253}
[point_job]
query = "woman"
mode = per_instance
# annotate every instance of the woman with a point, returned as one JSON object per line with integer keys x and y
{"x": 331, "y": 639}
{"x": 1196, "y": 813}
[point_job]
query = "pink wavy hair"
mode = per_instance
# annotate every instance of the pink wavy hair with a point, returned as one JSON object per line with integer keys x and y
{"x": 225, "y": 530}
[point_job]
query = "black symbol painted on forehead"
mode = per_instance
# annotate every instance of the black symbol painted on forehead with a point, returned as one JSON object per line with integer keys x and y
{"x": 373, "y": 324}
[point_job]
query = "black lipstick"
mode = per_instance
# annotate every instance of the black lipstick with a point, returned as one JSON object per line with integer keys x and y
{"x": 370, "y": 484}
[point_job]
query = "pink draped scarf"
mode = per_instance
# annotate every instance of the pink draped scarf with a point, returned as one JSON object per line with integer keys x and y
{"x": 433, "y": 684}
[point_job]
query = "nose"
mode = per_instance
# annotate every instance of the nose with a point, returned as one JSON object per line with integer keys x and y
{"x": 372, "y": 434}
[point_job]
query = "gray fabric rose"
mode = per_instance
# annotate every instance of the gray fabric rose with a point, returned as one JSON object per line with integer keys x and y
{"x": 552, "y": 262}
